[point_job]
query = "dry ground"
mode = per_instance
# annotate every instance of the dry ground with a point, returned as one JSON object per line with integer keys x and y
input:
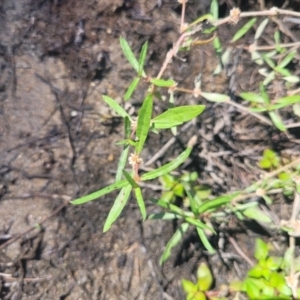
{"x": 57, "y": 142}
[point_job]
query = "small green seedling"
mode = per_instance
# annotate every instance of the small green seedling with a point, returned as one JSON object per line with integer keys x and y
{"x": 196, "y": 291}
{"x": 266, "y": 280}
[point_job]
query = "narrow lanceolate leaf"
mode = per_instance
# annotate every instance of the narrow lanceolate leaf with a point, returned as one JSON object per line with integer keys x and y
{"x": 243, "y": 30}
{"x": 168, "y": 167}
{"x": 216, "y": 203}
{"x": 171, "y": 207}
{"x": 252, "y": 97}
{"x": 122, "y": 163}
{"x": 141, "y": 202}
{"x": 127, "y": 127}
{"x": 93, "y": 196}
{"x": 270, "y": 77}
{"x": 162, "y": 83}
{"x": 177, "y": 115}
{"x": 292, "y": 78}
{"x": 287, "y": 59}
{"x": 142, "y": 59}
{"x": 214, "y": 9}
{"x": 118, "y": 206}
{"x": 256, "y": 57}
{"x": 143, "y": 125}
{"x": 116, "y": 107}
{"x": 205, "y": 241}
{"x": 130, "y": 179}
{"x": 215, "y": 97}
{"x": 283, "y": 71}
{"x": 277, "y": 120}
{"x": 175, "y": 239}
{"x": 129, "y": 54}
{"x": 164, "y": 216}
{"x": 269, "y": 61}
{"x": 256, "y": 214}
{"x": 261, "y": 28}
{"x": 131, "y": 88}
{"x": 285, "y": 101}
{"x": 199, "y": 224}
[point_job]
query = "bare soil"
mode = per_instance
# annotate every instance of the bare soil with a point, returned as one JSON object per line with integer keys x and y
{"x": 57, "y": 142}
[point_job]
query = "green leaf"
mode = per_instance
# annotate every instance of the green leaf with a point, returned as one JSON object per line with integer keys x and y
{"x": 269, "y": 61}
{"x": 285, "y": 101}
{"x": 261, "y": 28}
{"x": 143, "y": 124}
{"x": 292, "y": 79}
{"x": 296, "y": 109}
{"x": 214, "y": 9}
{"x": 265, "y": 163}
{"x": 175, "y": 239}
{"x": 282, "y": 71}
{"x": 226, "y": 56}
{"x": 131, "y": 88}
{"x": 199, "y": 224}
{"x": 130, "y": 179}
{"x": 261, "y": 249}
{"x": 276, "y": 280}
{"x": 277, "y": 120}
{"x": 207, "y": 17}
{"x": 102, "y": 192}
{"x": 171, "y": 207}
{"x": 217, "y": 46}
{"x": 116, "y": 107}
{"x": 215, "y": 97}
{"x": 264, "y": 94}
{"x": 168, "y": 167}
{"x": 257, "y": 109}
{"x": 287, "y": 59}
{"x": 252, "y": 97}
{"x": 255, "y": 272}
{"x": 127, "y": 127}
{"x": 177, "y": 115}
{"x": 164, "y": 216}
{"x": 277, "y": 42}
{"x": 142, "y": 59}
{"x": 188, "y": 286}
{"x": 122, "y": 163}
{"x": 129, "y": 54}
{"x": 270, "y": 77}
{"x": 141, "y": 202}
{"x": 272, "y": 156}
{"x": 256, "y": 57}
{"x": 196, "y": 296}
{"x": 256, "y": 214}
{"x": 216, "y": 203}
{"x": 117, "y": 207}
{"x": 252, "y": 287}
{"x": 268, "y": 292}
{"x": 205, "y": 278}
{"x": 243, "y": 30}
{"x": 162, "y": 82}
{"x": 273, "y": 262}
{"x": 288, "y": 260}
{"x": 205, "y": 241}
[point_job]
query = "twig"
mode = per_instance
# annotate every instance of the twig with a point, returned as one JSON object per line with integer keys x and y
{"x": 240, "y": 251}
{"x": 273, "y": 12}
{"x": 258, "y": 116}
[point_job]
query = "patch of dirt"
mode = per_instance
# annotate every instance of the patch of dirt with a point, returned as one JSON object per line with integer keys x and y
{"x": 58, "y": 140}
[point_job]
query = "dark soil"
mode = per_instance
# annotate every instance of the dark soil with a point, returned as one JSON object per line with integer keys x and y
{"x": 57, "y": 142}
